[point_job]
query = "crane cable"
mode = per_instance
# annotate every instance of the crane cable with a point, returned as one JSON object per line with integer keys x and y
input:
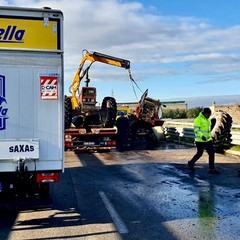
{"x": 134, "y": 82}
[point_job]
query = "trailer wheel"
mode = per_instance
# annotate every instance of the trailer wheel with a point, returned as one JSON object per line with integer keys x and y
{"x": 67, "y": 112}
{"x": 221, "y": 130}
{"x": 108, "y": 112}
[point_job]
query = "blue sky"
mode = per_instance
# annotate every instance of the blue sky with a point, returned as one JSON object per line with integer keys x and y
{"x": 177, "y": 49}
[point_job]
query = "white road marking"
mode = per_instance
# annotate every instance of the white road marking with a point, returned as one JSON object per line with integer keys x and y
{"x": 121, "y": 227}
{"x": 83, "y": 163}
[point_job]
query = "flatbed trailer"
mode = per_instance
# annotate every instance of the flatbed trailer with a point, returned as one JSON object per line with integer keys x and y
{"x": 98, "y": 139}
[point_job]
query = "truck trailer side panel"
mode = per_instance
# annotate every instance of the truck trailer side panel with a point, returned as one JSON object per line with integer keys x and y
{"x": 28, "y": 115}
{"x": 31, "y": 99}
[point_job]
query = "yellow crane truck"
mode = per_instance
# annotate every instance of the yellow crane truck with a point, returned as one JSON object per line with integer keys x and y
{"x": 88, "y": 127}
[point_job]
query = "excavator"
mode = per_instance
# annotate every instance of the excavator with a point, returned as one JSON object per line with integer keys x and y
{"x": 90, "y": 127}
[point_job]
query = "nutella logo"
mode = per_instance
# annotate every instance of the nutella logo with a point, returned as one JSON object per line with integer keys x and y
{"x": 11, "y": 34}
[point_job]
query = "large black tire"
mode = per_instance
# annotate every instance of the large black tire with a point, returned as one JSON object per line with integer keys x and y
{"x": 67, "y": 112}
{"x": 221, "y": 130}
{"x": 108, "y": 112}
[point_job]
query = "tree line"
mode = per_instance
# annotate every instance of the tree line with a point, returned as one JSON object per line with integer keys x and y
{"x": 181, "y": 113}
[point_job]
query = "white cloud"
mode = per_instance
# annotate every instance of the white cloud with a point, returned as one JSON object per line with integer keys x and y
{"x": 128, "y": 30}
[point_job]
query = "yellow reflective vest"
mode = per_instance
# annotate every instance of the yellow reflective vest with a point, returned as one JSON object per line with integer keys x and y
{"x": 202, "y": 127}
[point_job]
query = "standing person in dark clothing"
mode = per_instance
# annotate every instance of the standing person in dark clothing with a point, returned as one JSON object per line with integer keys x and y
{"x": 203, "y": 140}
{"x": 122, "y": 125}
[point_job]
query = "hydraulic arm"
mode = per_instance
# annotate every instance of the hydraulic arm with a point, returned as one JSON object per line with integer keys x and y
{"x": 80, "y": 73}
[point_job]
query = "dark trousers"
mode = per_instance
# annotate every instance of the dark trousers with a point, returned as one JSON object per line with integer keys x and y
{"x": 122, "y": 139}
{"x": 208, "y": 146}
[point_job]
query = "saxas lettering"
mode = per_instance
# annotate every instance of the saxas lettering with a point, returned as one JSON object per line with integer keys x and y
{"x": 21, "y": 148}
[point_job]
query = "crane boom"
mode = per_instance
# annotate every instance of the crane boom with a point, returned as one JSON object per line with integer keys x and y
{"x": 93, "y": 57}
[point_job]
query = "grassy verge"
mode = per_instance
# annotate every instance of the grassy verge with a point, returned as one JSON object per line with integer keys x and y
{"x": 235, "y": 148}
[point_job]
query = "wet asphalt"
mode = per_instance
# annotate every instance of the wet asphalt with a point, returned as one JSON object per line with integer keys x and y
{"x": 141, "y": 193}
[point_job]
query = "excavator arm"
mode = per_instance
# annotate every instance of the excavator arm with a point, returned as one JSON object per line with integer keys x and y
{"x": 93, "y": 57}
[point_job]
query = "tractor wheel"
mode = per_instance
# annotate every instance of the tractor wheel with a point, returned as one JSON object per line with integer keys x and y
{"x": 67, "y": 112}
{"x": 221, "y": 130}
{"x": 108, "y": 112}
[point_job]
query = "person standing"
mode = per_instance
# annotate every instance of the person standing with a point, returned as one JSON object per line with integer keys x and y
{"x": 203, "y": 140}
{"x": 122, "y": 125}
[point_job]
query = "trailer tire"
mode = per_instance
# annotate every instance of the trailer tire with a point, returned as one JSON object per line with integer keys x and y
{"x": 221, "y": 130}
{"x": 67, "y": 112}
{"x": 108, "y": 112}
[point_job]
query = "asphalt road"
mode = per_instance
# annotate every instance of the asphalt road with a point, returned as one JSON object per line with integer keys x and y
{"x": 140, "y": 194}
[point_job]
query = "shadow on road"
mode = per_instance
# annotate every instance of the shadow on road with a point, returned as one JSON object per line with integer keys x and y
{"x": 150, "y": 197}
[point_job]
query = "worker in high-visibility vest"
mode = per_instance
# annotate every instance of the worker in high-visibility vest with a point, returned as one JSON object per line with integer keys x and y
{"x": 203, "y": 140}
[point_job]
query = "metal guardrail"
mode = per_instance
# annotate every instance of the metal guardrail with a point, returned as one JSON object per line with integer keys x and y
{"x": 191, "y": 124}
{"x": 187, "y": 132}
{"x": 235, "y": 137}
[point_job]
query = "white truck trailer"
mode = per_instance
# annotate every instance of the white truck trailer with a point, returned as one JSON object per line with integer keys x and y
{"x": 31, "y": 100}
